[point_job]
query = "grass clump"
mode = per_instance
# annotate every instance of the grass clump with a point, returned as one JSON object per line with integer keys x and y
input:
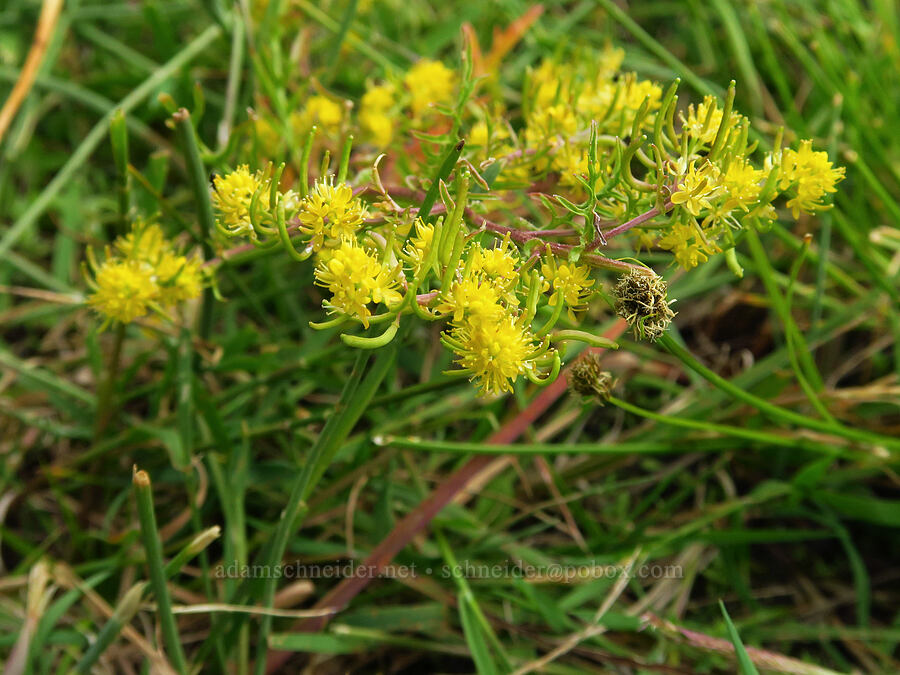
{"x": 323, "y": 272}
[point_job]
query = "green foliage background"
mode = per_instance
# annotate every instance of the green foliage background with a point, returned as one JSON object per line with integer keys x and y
{"x": 799, "y": 540}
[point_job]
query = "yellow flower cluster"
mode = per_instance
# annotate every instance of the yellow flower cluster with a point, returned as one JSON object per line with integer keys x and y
{"x": 355, "y": 277}
{"x": 617, "y": 153}
{"x": 570, "y": 283}
{"x": 319, "y": 111}
{"x": 716, "y": 196}
{"x": 330, "y": 212}
{"x": 494, "y": 353}
{"x": 232, "y": 196}
{"x": 142, "y": 273}
{"x": 489, "y": 335}
{"x": 490, "y": 330}
{"x": 563, "y": 100}
{"x": 330, "y": 218}
{"x": 427, "y": 84}
{"x": 375, "y": 114}
{"x": 809, "y": 175}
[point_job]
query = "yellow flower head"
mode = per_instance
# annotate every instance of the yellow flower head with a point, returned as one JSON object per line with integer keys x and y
{"x": 550, "y": 83}
{"x": 145, "y": 273}
{"x": 495, "y": 352}
{"x": 374, "y": 113}
{"x": 472, "y": 301}
{"x": 266, "y": 135}
{"x": 232, "y": 195}
{"x": 180, "y": 278}
{"x": 571, "y": 283}
{"x": 318, "y": 111}
{"x": 617, "y": 102}
{"x": 609, "y": 61}
{"x": 810, "y": 174}
{"x": 355, "y": 277}
{"x": 429, "y": 82}
{"x": 696, "y": 188}
{"x": 680, "y": 239}
{"x": 144, "y": 242}
{"x": 378, "y": 126}
{"x": 416, "y": 248}
{"x": 743, "y": 184}
{"x": 330, "y": 212}
{"x": 545, "y": 124}
{"x": 380, "y": 97}
{"x": 703, "y": 122}
{"x": 498, "y": 263}
{"x": 125, "y": 290}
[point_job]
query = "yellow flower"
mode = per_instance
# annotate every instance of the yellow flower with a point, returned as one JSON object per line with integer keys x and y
{"x": 616, "y": 102}
{"x": 545, "y": 124}
{"x": 703, "y": 122}
{"x": 609, "y": 61}
{"x": 330, "y": 212}
{"x": 145, "y": 273}
{"x": 320, "y": 111}
{"x": 549, "y": 83}
{"x": 231, "y": 196}
{"x": 472, "y": 301}
{"x": 646, "y": 239}
{"x": 144, "y": 242}
{"x": 478, "y": 135}
{"x": 374, "y": 114}
{"x": 355, "y": 278}
{"x": 378, "y": 126}
{"x": 690, "y": 256}
{"x": 680, "y": 240}
{"x": 268, "y": 138}
{"x": 416, "y": 248}
{"x": 379, "y": 97}
{"x": 742, "y": 184}
{"x": 125, "y": 290}
{"x": 571, "y": 283}
{"x": 429, "y": 82}
{"x": 810, "y": 174}
{"x": 696, "y": 189}
{"x": 498, "y": 263}
{"x": 180, "y": 278}
{"x": 495, "y": 352}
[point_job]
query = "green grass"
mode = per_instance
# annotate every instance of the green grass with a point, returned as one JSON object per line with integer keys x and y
{"x": 751, "y": 454}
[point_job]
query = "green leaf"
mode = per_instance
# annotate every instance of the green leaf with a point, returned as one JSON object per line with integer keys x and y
{"x": 744, "y": 663}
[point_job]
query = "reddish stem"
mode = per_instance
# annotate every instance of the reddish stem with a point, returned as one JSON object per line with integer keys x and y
{"x": 624, "y": 227}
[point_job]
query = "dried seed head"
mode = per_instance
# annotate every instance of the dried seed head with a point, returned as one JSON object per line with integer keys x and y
{"x": 587, "y": 378}
{"x": 641, "y": 301}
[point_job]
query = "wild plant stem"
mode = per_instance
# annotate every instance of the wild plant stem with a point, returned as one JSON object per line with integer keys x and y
{"x": 200, "y": 185}
{"x": 775, "y": 412}
{"x": 153, "y": 548}
{"x": 106, "y": 403}
{"x": 358, "y": 392}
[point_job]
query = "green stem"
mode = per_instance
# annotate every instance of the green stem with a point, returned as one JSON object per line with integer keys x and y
{"x": 153, "y": 549}
{"x": 798, "y": 351}
{"x": 802, "y": 352}
{"x": 554, "y": 317}
{"x": 355, "y": 398}
{"x": 123, "y": 614}
{"x": 773, "y": 411}
{"x": 738, "y": 432}
{"x": 446, "y": 167}
{"x": 106, "y": 405}
{"x": 118, "y": 136}
{"x": 200, "y": 185}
